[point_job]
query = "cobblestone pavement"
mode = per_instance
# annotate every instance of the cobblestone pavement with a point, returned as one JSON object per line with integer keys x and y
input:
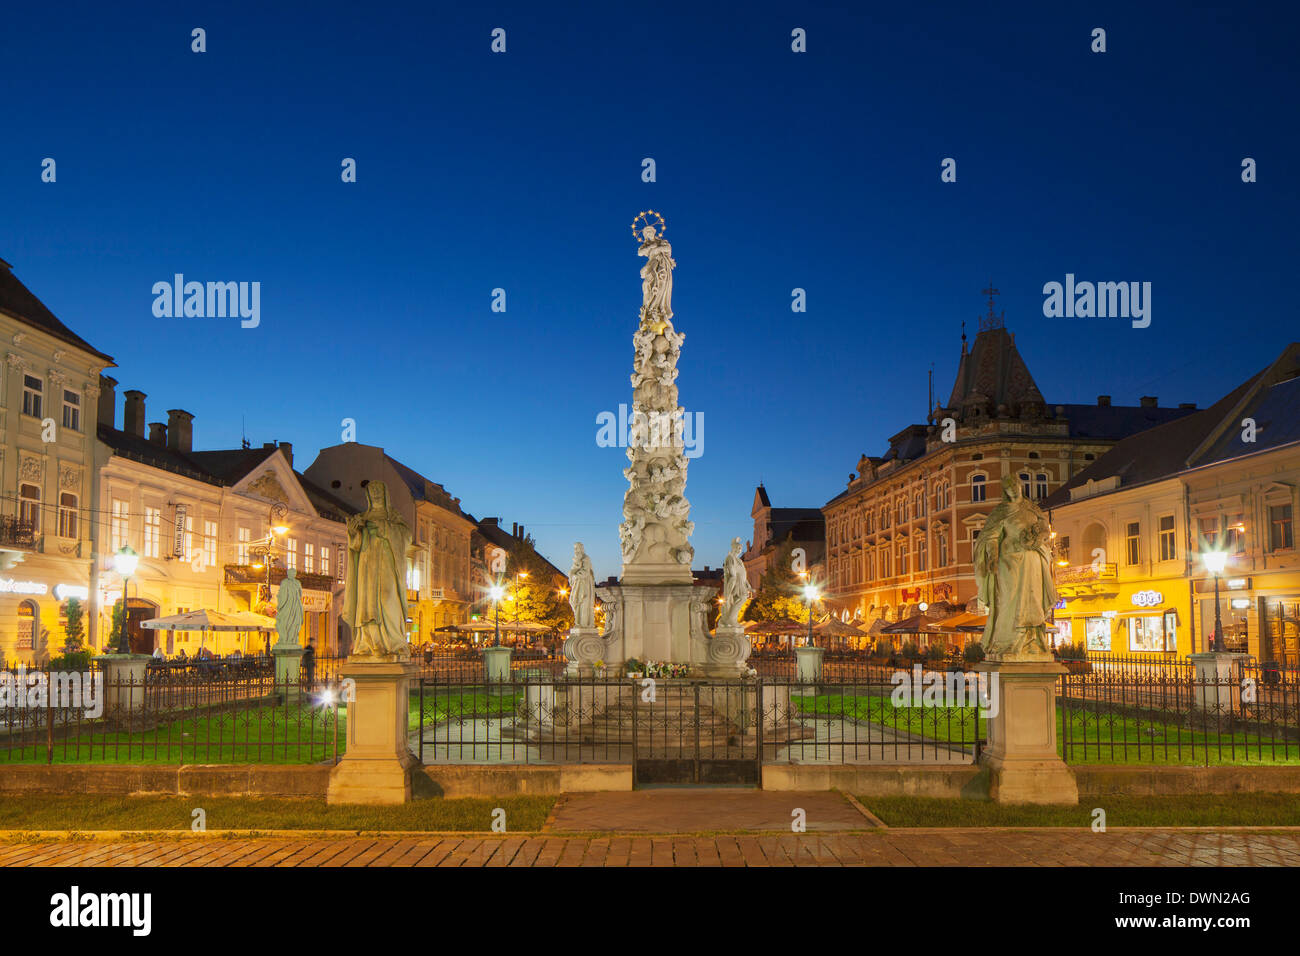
{"x": 946, "y": 847}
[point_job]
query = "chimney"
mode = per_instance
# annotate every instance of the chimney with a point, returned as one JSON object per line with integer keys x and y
{"x": 269, "y": 445}
{"x": 1187, "y": 405}
{"x": 133, "y": 414}
{"x": 520, "y": 536}
{"x": 1148, "y": 401}
{"x": 514, "y": 530}
{"x": 1103, "y": 401}
{"x": 180, "y": 430}
{"x": 287, "y": 448}
{"x": 158, "y": 434}
{"x": 107, "y": 401}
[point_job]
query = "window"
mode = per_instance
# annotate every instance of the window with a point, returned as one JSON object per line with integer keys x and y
{"x": 1040, "y": 485}
{"x": 291, "y": 553}
{"x": 884, "y": 517}
{"x": 902, "y": 558}
{"x": 1168, "y": 546}
{"x": 29, "y": 617}
{"x": 71, "y": 410}
{"x": 1209, "y": 532}
{"x": 902, "y": 510}
{"x": 1146, "y": 633}
{"x": 187, "y": 540}
{"x": 943, "y": 550}
{"x": 67, "y": 515}
{"x": 1236, "y": 534}
{"x": 1132, "y": 535}
{"x": 309, "y": 557}
{"x": 922, "y": 556}
{"x": 209, "y": 544}
{"x": 118, "y": 526}
{"x": 1171, "y": 630}
{"x": 1026, "y": 488}
{"x": 152, "y": 532}
{"x": 977, "y": 488}
{"x": 243, "y": 554}
{"x": 1280, "y": 536}
{"x": 29, "y": 506}
{"x": 33, "y": 392}
{"x": 1098, "y": 634}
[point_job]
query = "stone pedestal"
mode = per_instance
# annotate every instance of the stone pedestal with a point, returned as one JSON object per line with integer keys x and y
{"x": 288, "y": 666}
{"x": 496, "y": 664}
{"x": 378, "y": 762}
{"x": 1021, "y": 756}
{"x": 1216, "y": 687}
{"x": 124, "y": 676}
{"x": 724, "y": 654}
{"x": 808, "y": 664}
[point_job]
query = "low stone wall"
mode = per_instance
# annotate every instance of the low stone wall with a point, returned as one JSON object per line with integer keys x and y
{"x": 218, "y": 780}
{"x": 487, "y": 780}
{"x": 1167, "y": 781}
{"x": 880, "y": 780}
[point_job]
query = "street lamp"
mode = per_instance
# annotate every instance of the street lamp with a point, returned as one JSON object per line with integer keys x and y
{"x": 1215, "y": 561}
{"x": 125, "y": 562}
{"x": 810, "y": 593}
{"x": 496, "y": 592}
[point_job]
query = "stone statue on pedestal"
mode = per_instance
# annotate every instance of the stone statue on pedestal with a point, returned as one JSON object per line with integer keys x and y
{"x": 375, "y": 596}
{"x": 582, "y": 589}
{"x": 288, "y": 610}
{"x": 735, "y": 587}
{"x": 1013, "y": 567}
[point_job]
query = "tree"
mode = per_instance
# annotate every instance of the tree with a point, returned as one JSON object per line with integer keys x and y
{"x": 75, "y": 629}
{"x": 779, "y": 591}
{"x": 117, "y": 636}
{"x": 535, "y": 598}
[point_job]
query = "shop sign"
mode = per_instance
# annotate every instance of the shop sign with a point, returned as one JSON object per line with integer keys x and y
{"x": 13, "y": 586}
{"x": 1147, "y": 598}
{"x": 79, "y": 591}
{"x": 1241, "y": 604}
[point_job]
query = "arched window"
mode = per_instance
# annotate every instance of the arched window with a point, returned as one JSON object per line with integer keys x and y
{"x": 1026, "y": 488}
{"x": 29, "y": 506}
{"x": 978, "y": 487}
{"x": 1040, "y": 485}
{"x": 68, "y": 515}
{"x": 29, "y": 625}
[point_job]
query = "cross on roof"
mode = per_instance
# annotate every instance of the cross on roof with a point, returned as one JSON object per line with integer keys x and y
{"x": 991, "y": 321}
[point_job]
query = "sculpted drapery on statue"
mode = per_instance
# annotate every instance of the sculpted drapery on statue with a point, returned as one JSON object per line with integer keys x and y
{"x": 735, "y": 587}
{"x": 375, "y": 599}
{"x": 656, "y": 274}
{"x": 288, "y": 609}
{"x": 582, "y": 589}
{"x": 1013, "y": 566}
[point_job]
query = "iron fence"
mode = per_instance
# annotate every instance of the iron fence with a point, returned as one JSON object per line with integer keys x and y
{"x": 166, "y": 718}
{"x": 1179, "y": 717}
{"x": 696, "y": 730}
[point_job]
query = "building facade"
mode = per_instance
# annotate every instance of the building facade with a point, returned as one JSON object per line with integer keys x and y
{"x": 776, "y": 529}
{"x": 1224, "y": 479}
{"x": 903, "y": 532}
{"x": 48, "y": 397}
{"x": 214, "y": 530}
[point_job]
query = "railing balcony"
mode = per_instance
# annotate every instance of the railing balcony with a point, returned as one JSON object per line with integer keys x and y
{"x": 17, "y": 533}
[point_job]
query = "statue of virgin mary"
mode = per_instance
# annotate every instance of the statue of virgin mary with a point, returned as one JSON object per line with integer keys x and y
{"x": 1013, "y": 568}
{"x": 375, "y": 595}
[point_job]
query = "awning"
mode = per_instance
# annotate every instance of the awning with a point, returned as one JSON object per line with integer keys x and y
{"x": 203, "y": 620}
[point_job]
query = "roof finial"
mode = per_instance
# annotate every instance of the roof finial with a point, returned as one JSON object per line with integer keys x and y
{"x": 991, "y": 321}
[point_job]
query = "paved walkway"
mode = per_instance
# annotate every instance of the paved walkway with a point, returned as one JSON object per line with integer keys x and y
{"x": 703, "y": 811}
{"x": 948, "y": 847}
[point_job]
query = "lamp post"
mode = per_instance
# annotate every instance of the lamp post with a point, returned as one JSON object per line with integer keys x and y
{"x": 1215, "y": 561}
{"x": 496, "y": 592}
{"x": 810, "y": 593}
{"x": 125, "y": 562}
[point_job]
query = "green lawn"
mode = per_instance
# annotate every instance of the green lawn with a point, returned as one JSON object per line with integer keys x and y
{"x": 259, "y": 734}
{"x": 1096, "y": 738}
{"x": 96, "y": 812}
{"x": 1191, "y": 810}
{"x": 462, "y": 705}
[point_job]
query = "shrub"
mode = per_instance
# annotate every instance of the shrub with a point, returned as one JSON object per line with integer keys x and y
{"x": 71, "y": 661}
{"x": 974, "y": 653}
{"x": 936, "y": 652}
{"x": 1071, "y": 652}
{"x": 910, "y": 651}
{"x": 633, "y": 666}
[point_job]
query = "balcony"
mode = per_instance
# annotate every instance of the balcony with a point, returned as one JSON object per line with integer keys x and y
{"x": 245, "y": 575}
{"x": 1087, "y": 579}
{"x": 17, "y": 533}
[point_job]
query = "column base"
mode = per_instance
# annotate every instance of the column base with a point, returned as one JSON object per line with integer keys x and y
{"x": 378, "y": 762}
{"x": 1021, "y": 756}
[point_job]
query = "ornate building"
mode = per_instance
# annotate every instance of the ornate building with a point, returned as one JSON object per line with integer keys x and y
{"x": 902, "y": 532}
{"x": 47, "y": 449}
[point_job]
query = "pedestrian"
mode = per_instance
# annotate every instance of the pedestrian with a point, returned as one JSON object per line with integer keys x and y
{"x": 309, "y": 662}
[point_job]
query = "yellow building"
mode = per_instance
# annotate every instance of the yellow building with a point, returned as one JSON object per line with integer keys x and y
{"x": 1132, "y": 530}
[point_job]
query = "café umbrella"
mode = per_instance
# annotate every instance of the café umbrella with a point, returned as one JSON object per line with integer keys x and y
{"x": 204, "y": 621}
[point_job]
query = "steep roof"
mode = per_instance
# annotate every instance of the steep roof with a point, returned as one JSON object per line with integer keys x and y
{"x": 993, "y": 372}
{"x": 17, "y": 301}
{"x": 422, "y": 489}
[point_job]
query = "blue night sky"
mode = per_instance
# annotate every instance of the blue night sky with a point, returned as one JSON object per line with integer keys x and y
{"x": 523, "y": 171}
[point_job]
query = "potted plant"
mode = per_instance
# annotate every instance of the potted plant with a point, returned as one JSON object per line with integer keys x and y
{"x": 633, "y": 667}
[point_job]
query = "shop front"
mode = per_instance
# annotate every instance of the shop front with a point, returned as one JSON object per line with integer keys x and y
{"x": 34, "y": 595}
{"x": 1138, "y": 618}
